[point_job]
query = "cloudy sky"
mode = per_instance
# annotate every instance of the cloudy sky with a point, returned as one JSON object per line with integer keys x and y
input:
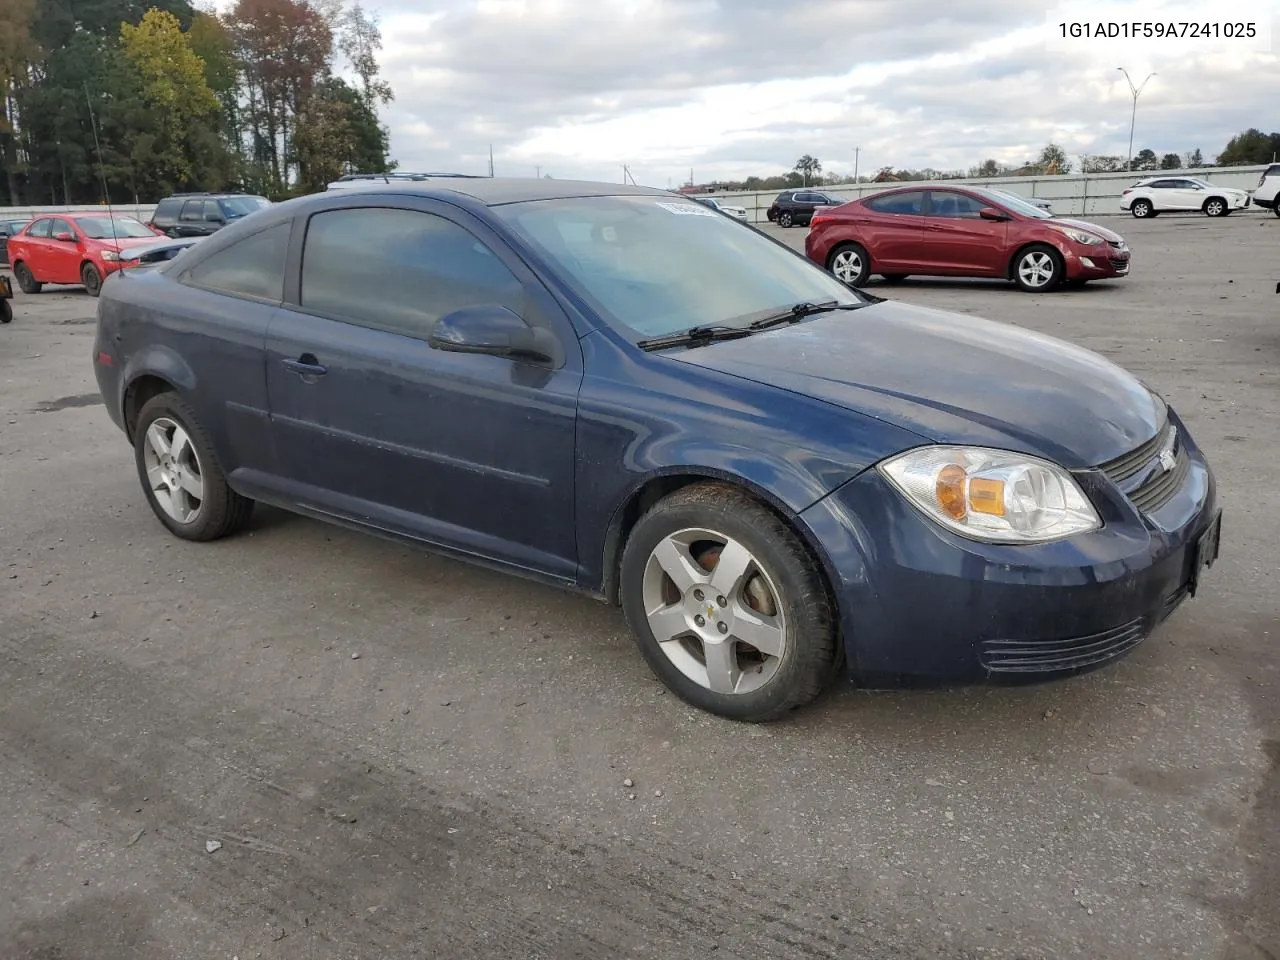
{"x": 730, "y": 88}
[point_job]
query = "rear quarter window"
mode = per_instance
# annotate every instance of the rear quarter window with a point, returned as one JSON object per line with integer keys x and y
{"x": 253, "y": 266}
{"x": 168, "y": 209}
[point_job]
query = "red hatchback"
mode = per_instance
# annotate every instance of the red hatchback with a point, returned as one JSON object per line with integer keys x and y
{"x": 962, "y": 232}
{"x": 73, "y": 248}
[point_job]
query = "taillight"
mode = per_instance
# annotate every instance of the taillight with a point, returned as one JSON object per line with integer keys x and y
{"x": 818, "y": 218}
{"x": 1126, "y": 192}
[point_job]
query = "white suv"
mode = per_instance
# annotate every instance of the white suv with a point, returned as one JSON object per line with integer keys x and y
{"x": 1268, "y": 187}
{"x": 1156, "y": 195}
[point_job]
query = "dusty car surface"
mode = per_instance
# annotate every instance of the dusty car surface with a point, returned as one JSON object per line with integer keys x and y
{"x": 622, "y": 392}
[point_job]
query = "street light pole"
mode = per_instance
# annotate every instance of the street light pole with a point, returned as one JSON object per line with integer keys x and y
{"x": 1133, "y": 118}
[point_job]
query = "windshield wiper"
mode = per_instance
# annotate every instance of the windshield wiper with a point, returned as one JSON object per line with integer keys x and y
{"x": 695, "y": 336}
{"x": 799, "y": 312}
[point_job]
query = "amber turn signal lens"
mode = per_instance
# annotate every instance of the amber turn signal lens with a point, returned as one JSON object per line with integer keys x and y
{"x": 986, "y": 496}
{"x": 950, "y": 491}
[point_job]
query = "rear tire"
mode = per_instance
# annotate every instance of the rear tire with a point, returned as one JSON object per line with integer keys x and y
{"x": 741, "y": 578}
{"x": 181, "y": 477}
{"x": 784, "y": 219}
{"x": 27, "y": 282}
{"x": 1142, "y": 209}
{"x": 850, "y": 264}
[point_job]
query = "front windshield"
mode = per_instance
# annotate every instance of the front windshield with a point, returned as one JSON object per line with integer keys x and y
{"x": 102, "y": 228}
{"x": 660, "y": 266}
{"x": 1015, "y": 203}
{"x": 241, "y": 206}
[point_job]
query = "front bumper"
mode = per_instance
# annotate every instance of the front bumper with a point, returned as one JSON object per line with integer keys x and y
{"x": 919, "y": 604}
{"x": 1098, "y": 261}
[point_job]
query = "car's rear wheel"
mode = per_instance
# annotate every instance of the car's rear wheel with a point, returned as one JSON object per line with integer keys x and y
{"x": 1216, "y": 207}
{"x": 1142, "y": 209}
{"x": 728, "y": 606}
{"x": 850, "y": 264}
{"x": 180, "y": 474}
{"x": 27, "y": 282}
{"x": 91, "y": 279}
{"x": 1038, "y": 268}
{"x": 784, "y": 218}
{"x": 894, "y": 277}
{"x": 1276, "y": 208}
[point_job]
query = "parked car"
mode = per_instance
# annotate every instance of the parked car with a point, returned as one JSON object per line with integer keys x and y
{"x": 717, "y": 204}
{"x": 74, "y": 248}
{"x": 797, "y": 206}
{"x": 200, "y": 214}
{"x": 7, "y": 229}
{"x": 1153, "y": 196}
{"x": 618, "y": 391}
{"x": 962, "y": 232}
{"x": 1267, "y": 193}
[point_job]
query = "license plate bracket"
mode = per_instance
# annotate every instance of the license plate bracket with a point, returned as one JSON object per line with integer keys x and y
{"x": 1205, "y": 552}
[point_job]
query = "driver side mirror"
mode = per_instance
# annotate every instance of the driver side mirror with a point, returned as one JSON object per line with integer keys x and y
{"x": 991, "y": 213}
{"x": 493, "y": 330}
{"x": 64, "y": 237}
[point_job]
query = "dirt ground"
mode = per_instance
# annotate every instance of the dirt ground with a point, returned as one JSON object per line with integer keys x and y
{"x": 403, "y": 756}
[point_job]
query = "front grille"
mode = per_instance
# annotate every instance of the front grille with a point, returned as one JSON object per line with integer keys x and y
{"x": 1119, "y": 264}
{"x": 1051, "y": 656}
{"x": 1142, "y": 477}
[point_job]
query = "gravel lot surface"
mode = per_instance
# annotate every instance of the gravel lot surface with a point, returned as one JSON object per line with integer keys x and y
{"x": 404, "y": 756}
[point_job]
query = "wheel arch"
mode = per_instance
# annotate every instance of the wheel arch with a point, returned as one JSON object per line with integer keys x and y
{"x": 1012, "y": 266}
{"x": 156, "y": 371}
{"x": 658, "y": 486}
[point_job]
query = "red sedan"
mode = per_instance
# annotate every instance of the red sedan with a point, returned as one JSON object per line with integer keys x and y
{"x": 73, "y": 248}
{"x": 962, "y": 232}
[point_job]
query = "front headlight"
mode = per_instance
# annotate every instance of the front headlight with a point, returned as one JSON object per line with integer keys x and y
{"x": 993, "y": 495}
{"x": 1079, "y": 236}
{"x": 110, "y": 256}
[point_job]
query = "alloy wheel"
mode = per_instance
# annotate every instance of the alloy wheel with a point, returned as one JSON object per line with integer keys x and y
{"x": 847, "y": 266}
{"x": 173, "y": 471}
{"x": 715, "y": 611}
{"x": 1036, "y": 269}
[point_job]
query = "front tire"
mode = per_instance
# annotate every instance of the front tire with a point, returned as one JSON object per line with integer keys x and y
{"x": 1142, "y": 209}
{"x": 91, "y": 279}
{"x": 1038, "y": 268}
{"x": 728, "y": 607}
{"x": 850, "y": 264}
{"x": 27, "y": 282}
{"x": 180, "y": 474}
{"x": 1216, "y": 207}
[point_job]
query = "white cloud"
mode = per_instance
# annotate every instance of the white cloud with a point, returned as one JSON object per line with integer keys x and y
{"x": 735, "y": 87}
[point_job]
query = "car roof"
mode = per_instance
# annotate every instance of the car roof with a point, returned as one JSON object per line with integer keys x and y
{"x": 495, "y": 191}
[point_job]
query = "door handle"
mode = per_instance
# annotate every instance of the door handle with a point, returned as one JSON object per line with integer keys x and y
{"x": 305, "y": 366}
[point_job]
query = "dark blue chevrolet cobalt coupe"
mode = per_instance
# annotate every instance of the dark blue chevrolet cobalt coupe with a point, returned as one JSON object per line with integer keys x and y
{"x": 627, "y": 393}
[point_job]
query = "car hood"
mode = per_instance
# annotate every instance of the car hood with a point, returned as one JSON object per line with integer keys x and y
{"x": 1103, "y": 232}
{"x": 951, "y": 378}
{"x": 124, "y": 243}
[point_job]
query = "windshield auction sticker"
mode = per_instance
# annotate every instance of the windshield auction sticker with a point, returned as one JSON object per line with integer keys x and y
{"x": 687, "y": 209}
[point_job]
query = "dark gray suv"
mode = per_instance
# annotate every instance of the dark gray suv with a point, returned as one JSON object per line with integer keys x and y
{"x": 200, "y": 214}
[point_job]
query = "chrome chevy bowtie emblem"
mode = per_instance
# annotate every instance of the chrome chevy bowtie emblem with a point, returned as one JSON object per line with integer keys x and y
{"x": 1167, "y": 459}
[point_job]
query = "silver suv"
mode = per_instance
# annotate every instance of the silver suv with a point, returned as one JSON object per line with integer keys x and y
{"x": 1265, "y": 195}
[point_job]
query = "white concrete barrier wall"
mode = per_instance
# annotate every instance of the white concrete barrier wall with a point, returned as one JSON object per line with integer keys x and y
{"x": 1075, "y": 195}
{"x": 138, "y": 211}
{"x": 1072, "y": 195}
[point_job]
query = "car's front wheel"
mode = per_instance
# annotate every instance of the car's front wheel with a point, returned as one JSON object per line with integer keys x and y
{"x": 849, "y": 263}
{"x": 1038, "y": 268}
{"x": 27, "y": 281}
{"x": 91, "y": 279}
{"x": 180, "y": 474}
{"x": 1215, "y": 207}
{"x": 784, "y": 218}
{"x": 728, "y": 606}
{"x": 1142, "y": 209}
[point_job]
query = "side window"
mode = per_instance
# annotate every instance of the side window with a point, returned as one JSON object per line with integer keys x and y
{"x": 212, "y": 212}
{"x": 909, "y": 203}
{"x": 1163, "y": 185}
{"x": 42, "y": 229}
{"x": 168, "y": 209}
{"x": 956, "y": 205}
{"x": 252, "y": 267}
{"x": 60, "y": 226}
{"x": 399, "y": 270}
{"x": 193, "y": 210}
